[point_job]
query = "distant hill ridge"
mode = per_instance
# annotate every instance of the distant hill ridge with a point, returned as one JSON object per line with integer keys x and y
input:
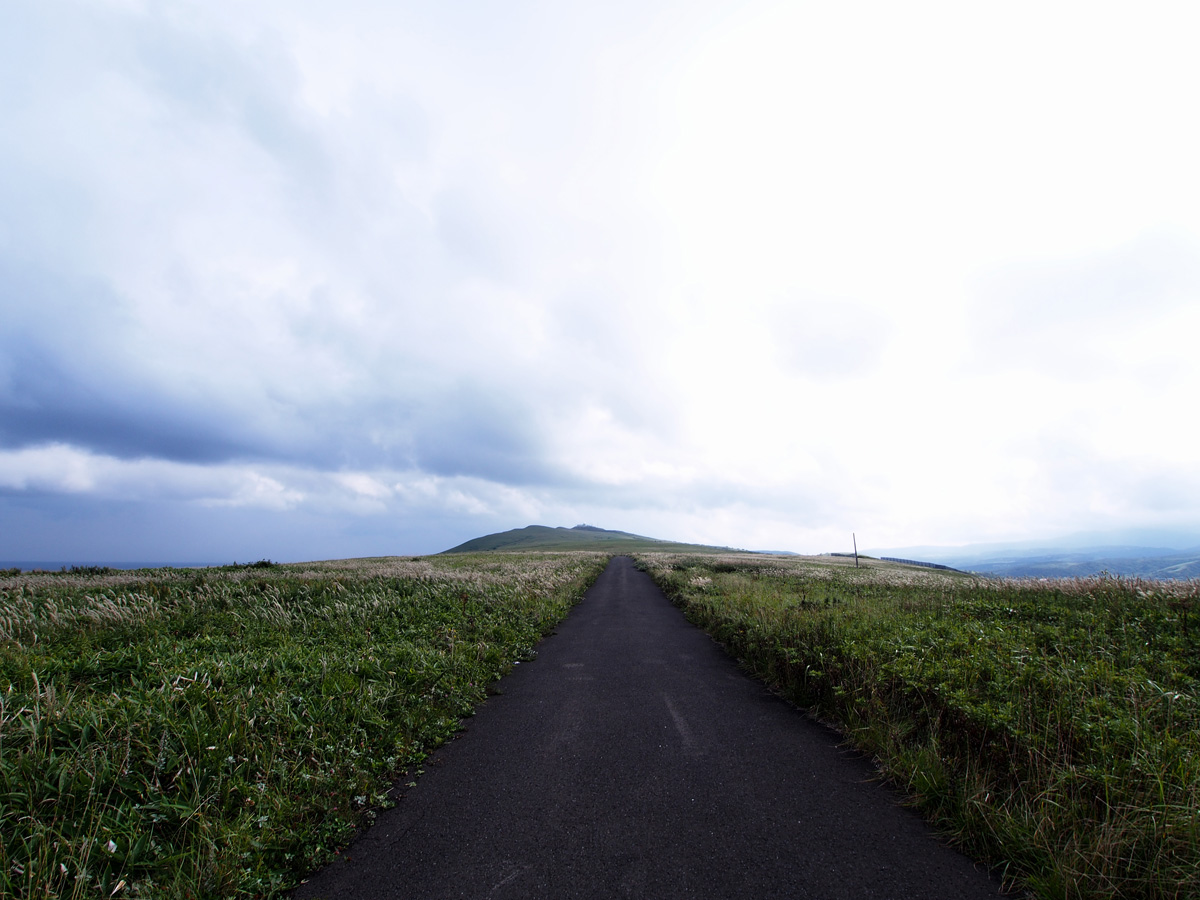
{"x": 580, "y": 537}
{"x": 1161, "y": 565}
{"x": 1168, "y": 556}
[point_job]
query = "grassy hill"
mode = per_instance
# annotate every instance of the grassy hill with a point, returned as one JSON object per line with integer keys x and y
{"x": 581, "y": 537}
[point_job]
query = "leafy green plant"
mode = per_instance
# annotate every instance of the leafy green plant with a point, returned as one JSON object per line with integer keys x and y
{"x": 220, "y": 732}
{"x": 1051, "y": 727}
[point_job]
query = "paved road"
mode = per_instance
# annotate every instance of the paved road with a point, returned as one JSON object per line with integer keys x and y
{"x": 632, "y": 758}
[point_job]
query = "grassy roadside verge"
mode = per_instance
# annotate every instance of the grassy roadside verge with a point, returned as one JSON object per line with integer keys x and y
{"x": 1051, "y": 728}
{"x": 218, "y": 732}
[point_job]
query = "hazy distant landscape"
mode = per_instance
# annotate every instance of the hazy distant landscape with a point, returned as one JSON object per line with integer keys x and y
{"x": 1115, "y": 553}
{"x": 1140, "y": 562}
{"x": 1016, "y": 560}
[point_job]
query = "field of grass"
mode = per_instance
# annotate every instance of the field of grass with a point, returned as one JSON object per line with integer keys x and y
{"x": 219, "y": 732}
{"x": 1051, "y": 728}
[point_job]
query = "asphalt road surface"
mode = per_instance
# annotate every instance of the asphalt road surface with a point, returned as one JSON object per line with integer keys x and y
{"x": 633, "y": 758}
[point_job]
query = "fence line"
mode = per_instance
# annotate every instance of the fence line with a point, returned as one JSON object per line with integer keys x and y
{"x": 916, "y": 562}
{"x": 896, "y": 559}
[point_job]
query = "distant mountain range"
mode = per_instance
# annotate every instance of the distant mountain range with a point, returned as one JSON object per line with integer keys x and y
{"x": 1142, "y": 562}
{"x": 581, "y": 537}
{"x": 1074, "y": 556}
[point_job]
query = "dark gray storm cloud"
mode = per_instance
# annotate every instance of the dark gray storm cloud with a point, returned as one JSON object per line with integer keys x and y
{"x": 140, "y": 352}
{"x": 68, "y": 378}
{"x": 69, "y": 374}
{"x": 468, "y": 433}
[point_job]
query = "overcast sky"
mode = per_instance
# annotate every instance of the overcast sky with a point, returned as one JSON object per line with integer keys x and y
{"x": 310, "y": 280}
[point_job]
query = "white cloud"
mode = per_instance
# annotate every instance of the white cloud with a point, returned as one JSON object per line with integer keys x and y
{"x": 52, "y": 468}
{"x": 363, "y": 485}
{"x": 259, "y": 491}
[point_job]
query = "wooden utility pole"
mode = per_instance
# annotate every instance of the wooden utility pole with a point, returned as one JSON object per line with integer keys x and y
{"x": 854, "y": 538}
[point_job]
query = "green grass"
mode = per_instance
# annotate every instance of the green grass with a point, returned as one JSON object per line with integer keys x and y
{"x": 220, "y": 732}
{"x": 1052, "y": 728}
